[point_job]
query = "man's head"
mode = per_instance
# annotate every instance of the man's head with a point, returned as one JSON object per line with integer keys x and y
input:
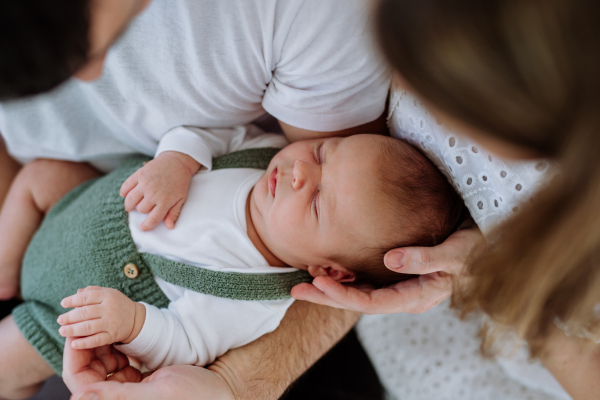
{"x": 44, "y": 42}
{"x": 335, "y": 206}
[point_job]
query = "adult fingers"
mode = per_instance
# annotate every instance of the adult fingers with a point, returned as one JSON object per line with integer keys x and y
{"x": 126, "y": 374}
{"x": 98, "y": 367}
{"x": 412, "y": 296}
{"x": 80, "y": 314}
{"x": 133, "y": 198}
{"x": 114, "y": 389}
{"x": 345, "y": 296}
{"x": 412, "y": 260}
{"x": 77, "y": 368}
{"x": 418, "y": 295}
{"x": 449, "y": 256}
{"x": 173, "y": 215}
{"x": 122, "y": 360}
{"x": 129, "y": 184}
{"x": 90, "y": 342}
{"x": 308, "y": 292}
{"x": 83, "y": 298}
{"x": 154, "y": 218}
{"x": 108, "y": 358}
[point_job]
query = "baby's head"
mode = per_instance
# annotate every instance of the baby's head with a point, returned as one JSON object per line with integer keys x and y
{"x": 335, "y": 206}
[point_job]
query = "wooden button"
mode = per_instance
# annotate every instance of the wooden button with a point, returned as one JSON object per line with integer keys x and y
{"x": 131, "y": 271}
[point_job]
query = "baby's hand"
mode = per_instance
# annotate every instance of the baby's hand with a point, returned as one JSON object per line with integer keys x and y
{"x": 101, "y": 316}
{"x": 160, "y": 188}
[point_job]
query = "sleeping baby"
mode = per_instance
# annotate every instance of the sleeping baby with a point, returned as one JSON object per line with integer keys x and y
{"x": 256, "y": 221}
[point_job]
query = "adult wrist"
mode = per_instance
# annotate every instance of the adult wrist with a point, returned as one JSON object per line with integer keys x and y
{"x": 244, "y": 382}
{"x": 266, "y": 367}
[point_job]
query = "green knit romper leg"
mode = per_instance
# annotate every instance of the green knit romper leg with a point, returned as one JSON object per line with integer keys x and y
{"x": 85, "y": 240}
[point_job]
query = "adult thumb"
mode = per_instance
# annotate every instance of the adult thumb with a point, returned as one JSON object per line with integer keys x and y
{"x": 411, "y": 260}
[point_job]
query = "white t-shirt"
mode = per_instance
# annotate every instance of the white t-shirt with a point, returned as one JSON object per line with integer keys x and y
{"x": 312, "y": 64}
{"x": 210, "y": 233}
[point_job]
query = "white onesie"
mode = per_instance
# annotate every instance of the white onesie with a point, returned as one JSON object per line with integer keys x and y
{"x": 210, "y": 233}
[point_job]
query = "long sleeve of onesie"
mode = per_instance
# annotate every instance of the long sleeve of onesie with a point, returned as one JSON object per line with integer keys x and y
{"x": 198, "y": 328}
{"x": 204, "y": 144}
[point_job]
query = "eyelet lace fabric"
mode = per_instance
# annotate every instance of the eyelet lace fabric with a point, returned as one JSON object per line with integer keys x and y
{"x": 435, "y": 355}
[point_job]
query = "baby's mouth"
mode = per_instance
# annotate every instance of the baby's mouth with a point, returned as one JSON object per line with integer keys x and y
{"x": 273, "y": 181}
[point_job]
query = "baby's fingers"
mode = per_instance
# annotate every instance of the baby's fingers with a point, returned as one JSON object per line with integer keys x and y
{"x": 91, "y": 342}
{"x": 80, "y": 314}
{"x": 145, "y": 206}
{"x": 85, "y": 328}
{"x": 173, "y": 214}
{"x": 129, "y": 184}
{"x": 83, "y": 298}
{"x": 90, "y": 288}
{"x": 133, "y": 198}
{"x": 154, "y": 218}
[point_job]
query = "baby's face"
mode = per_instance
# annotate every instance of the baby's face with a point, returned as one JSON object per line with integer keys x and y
{"x": 319, "y": 198}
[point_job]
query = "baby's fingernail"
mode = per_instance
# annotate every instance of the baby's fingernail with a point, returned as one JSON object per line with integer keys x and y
{"x": 317, "y": 286}
{"x": 61, "y": 330}
{"x": 59, "y": 319}
{"x": 394, "y": 259}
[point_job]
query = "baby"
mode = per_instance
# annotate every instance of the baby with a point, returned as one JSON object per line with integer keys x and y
{"x": 220, "y": 279}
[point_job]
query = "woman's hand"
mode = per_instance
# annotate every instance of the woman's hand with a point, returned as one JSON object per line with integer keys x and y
{"x": 436, "y": 266}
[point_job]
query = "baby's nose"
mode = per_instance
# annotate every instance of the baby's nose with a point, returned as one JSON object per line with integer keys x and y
{"x": 300, "y": 174}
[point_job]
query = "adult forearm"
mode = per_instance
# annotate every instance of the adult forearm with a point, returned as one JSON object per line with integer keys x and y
{"x": 294, "y": 134}
{"x": 264, "y": 368}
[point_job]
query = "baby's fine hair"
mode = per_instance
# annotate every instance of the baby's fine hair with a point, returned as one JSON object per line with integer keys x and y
{"x": 423, "y": 209}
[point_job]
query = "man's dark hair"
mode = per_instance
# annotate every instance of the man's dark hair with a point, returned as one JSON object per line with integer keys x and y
{"x": 42, "y": 43}
{"x": 422, "y": 207}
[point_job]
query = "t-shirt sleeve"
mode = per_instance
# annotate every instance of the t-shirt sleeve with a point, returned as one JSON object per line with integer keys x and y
{"x": 327, "y": 74}
{"x": 197, "y": 328}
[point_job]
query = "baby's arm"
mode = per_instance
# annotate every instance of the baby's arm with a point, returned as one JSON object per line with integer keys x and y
{"x": 101, "y": 316}
{"x": 194, "y": 330}
{"x": 160, "y": 188}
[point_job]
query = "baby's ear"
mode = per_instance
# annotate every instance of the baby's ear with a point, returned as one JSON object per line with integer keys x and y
{"x": 334, "y": 271}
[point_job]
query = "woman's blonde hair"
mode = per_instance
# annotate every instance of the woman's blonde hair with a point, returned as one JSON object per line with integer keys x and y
{"x": 528, "y": 72}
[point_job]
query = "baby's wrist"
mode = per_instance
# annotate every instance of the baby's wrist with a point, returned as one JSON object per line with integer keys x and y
{"x": 138, "y": 322}
{"x": 186, "y": 161}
